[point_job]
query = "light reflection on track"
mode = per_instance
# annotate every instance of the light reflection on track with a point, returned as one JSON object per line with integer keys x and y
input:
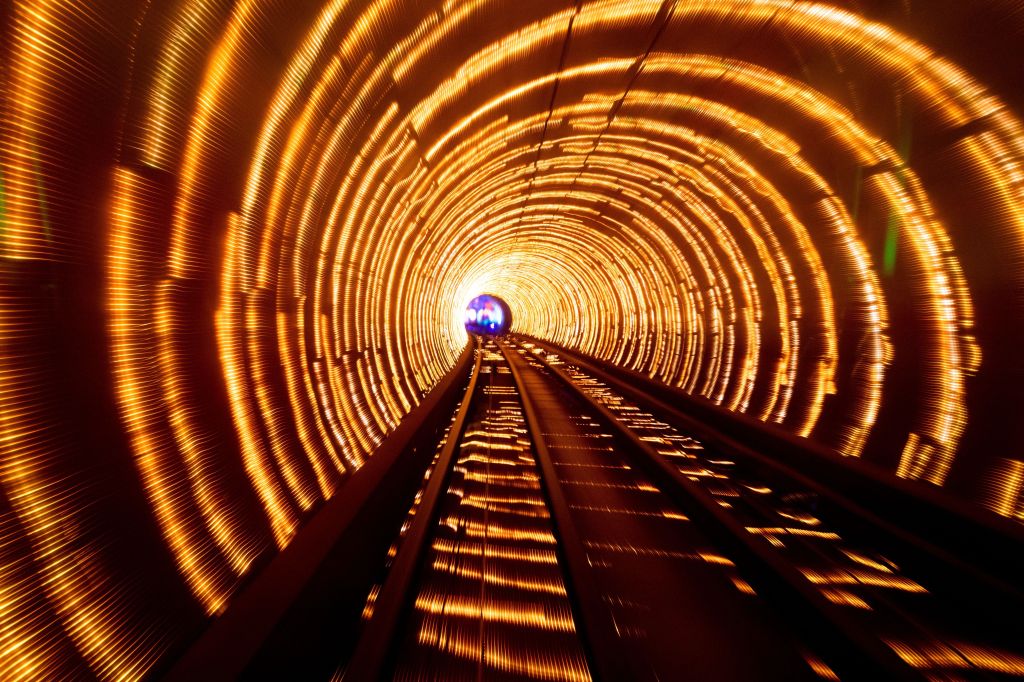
{"x": 541, "y": 477}
{"x": 492, "y": 601}
{"x": 880, "y": 599}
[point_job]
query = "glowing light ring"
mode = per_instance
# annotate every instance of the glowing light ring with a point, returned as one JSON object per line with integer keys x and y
{"x": 380, "y": 195}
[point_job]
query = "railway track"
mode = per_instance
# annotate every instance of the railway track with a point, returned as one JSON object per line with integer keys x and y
{"x": 565, "y": 532}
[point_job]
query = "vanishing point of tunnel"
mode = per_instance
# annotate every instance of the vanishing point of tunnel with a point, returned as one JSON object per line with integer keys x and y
{"x": 641, "y": 340}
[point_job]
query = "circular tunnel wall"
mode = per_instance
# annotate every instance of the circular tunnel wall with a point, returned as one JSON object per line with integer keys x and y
{"x": 259, "y": 223}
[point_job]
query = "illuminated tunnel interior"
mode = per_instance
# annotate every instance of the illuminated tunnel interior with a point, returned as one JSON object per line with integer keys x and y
{"x": 240, "y": 239}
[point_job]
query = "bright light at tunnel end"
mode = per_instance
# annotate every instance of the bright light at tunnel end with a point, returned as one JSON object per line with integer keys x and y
{"x": 487, "y": 314}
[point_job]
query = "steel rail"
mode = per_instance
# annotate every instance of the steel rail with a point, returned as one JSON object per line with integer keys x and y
{"x": 601, "y": 642}
{"x": 269, "y": 602}
{"x": 971, "y": 556}
{"x": 370, "y": 659}
{"x": 848, "y": 650}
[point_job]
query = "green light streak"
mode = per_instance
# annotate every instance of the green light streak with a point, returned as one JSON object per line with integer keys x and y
{"x": 44, "y": 208}
{"x": 889, "y": 250}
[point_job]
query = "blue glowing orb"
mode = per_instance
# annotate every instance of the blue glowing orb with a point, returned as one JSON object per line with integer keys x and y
{"x": 488, "y": 314}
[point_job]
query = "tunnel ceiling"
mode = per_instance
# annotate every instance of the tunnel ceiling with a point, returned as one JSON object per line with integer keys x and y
{"x": 240, "y": 237}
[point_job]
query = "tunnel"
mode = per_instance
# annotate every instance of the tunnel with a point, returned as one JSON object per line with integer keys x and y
{"x": 489, "y": 340}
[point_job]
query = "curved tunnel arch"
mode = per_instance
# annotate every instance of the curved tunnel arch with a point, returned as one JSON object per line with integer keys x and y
{"x": 304, "y": 198}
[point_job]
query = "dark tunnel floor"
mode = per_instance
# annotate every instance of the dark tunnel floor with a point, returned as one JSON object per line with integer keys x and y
{"x": 495, "y": 598}
{"x": 674, "y": 598}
